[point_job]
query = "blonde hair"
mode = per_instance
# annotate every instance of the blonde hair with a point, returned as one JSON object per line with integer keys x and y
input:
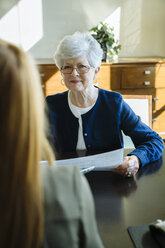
{"x": 22, "y": 145}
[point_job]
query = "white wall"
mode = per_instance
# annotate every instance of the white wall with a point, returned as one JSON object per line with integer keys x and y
{"x": 142, "y": 30}
{"x": 38, "y": 25}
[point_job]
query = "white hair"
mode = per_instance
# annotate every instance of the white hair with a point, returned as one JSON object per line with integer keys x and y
{"x": 78, "y": 44}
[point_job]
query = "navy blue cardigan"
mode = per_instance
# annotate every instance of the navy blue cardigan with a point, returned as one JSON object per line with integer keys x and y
{"x": 102, "y": 127}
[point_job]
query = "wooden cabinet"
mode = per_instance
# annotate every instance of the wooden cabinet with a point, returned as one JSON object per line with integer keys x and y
{"x": 129, "y": 76}
{"x": 143, "y": 77}
{"x": 51, "y": 79}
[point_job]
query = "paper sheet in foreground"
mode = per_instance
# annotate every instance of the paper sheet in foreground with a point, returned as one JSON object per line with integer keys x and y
{"x": 102, "y": 161}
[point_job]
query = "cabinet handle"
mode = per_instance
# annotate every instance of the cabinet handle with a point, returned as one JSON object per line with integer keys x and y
{"x": 147, "y": 83}
{"x": 42, "y": 74}
{"x": 147, "y": 72}
{"x": 155, "y": 99}
{"x": 153, "y": 120}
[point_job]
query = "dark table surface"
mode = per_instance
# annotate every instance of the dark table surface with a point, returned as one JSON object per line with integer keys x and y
{"x": 121, "y": 202}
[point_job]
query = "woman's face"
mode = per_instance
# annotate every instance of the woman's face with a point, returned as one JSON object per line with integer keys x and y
{"x": 77, "y": 81}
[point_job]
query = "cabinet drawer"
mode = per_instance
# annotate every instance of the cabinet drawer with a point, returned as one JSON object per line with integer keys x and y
{"x": 138, "y": 77}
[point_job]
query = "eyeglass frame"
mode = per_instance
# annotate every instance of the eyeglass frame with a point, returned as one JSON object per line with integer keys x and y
{"x": 89, "y": 67}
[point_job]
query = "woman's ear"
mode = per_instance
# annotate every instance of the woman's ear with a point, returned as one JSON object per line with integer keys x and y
{"x": 96, "y": 72}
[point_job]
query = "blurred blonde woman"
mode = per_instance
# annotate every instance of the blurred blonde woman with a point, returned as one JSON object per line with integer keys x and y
{"x": 48, "y": 208}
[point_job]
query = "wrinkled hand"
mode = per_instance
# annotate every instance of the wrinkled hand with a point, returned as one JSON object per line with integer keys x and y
{"x": 129, "y": 167}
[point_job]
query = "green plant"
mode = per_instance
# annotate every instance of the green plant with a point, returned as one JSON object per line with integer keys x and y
{"x": 104, "y": 34}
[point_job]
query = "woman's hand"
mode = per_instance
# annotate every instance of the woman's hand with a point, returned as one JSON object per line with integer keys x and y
{"x": 129, "y": 167}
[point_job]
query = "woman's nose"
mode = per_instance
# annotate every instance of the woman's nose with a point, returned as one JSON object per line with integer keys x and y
{"x": 74, "y": 71}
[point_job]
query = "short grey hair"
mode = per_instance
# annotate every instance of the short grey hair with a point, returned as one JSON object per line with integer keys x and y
{"x": 78, "y": 44}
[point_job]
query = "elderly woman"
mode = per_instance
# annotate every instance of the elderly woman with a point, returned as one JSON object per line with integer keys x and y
{"x": 87, "y": 117}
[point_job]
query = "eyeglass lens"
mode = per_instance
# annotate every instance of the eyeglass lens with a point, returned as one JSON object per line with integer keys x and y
{"x": 80, "y": 69}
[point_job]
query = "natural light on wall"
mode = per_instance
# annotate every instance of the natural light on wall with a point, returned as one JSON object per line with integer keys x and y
{"x": 9, "y": 28}
{"x": 23, "y": 24}
{"x": 114, "y": 22}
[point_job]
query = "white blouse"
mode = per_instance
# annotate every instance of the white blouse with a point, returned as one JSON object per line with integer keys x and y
{"x": 77, "y": 112}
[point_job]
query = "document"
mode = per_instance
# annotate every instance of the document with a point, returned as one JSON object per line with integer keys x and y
{"x": 102, "y": 161}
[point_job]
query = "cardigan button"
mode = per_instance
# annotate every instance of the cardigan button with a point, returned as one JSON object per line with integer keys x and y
{"x": 85, "y": 134}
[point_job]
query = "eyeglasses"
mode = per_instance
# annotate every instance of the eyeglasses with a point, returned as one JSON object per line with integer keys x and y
{"x": 80, "y": 69}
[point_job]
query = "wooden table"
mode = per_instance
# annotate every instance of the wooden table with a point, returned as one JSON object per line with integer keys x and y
{"x": 121, "y": 202}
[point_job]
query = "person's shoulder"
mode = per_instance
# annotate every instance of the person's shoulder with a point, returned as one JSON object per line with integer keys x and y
{"x": 65, "y": 172}
{"x": 53, "y": 175}
{"x": 110, "y": 95}
{"x": 62, "y": 187}
{"x": 68, "y": 203}
{"x": 56, "y": 97}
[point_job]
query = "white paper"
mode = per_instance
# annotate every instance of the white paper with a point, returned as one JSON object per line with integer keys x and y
{"x": 102, "y": 161}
